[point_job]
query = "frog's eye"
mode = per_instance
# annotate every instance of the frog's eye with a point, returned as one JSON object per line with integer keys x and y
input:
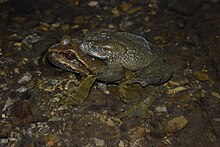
{"x": 70, "y": 55}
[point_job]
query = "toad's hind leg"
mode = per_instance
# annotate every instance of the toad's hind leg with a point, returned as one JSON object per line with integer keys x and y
{"x": 146, "y": 97}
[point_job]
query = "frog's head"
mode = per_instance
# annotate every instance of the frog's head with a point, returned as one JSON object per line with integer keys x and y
{"x": 66, "y": 55}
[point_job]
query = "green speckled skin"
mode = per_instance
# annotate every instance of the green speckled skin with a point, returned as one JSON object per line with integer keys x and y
{"x": 124, "y": 52}
{"x": 111, "y": 56}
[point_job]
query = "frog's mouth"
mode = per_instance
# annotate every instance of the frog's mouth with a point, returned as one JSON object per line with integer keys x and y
{"x": 58, "y": 60}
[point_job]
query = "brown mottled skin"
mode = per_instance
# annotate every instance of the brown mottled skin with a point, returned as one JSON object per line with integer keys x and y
{"x": 110, "y": 56}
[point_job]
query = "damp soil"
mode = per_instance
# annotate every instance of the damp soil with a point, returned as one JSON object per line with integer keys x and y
{"x": 186, "y": 111}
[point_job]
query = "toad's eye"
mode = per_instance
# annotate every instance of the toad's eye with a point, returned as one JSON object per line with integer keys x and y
{"x": 70, "y": 55}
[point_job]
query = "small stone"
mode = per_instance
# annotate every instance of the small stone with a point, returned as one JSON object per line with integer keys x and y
{"x": 173, "y": 83}
{"x": 111, "y": 26}
{"x": 65, "y": 27}
{"x": 54, "y": 81}
{"x": 27, "y": 43}
{"x": 201, "y": 76}
{"x": 176, "y": 90}
{"x": 116, "y": 11}
{"x": 217, "y": 119}
{"x": 45, "y": 24}
{"x": 161, "y": 109}
{"x": 147, "y": 18}
{"x": 42, "y": 28}
{"x": 137, "y": 132}
{"x": 25, "y": 78}
{"x": 33, "y": 38}
{"x": 215, "y": 94}
{"x": 93, "y": 3}
{"x": 15, "y": 37}
{"x": 121, "y": 144}
{"x": 3, "y": 115}
{"x": 8, "y": 103}
{"x": 55, "y": 25}
{"x": 176, "y": 124}
{"x": 75, "y": 27}
{"x": 103, "y": 88}
{"x": 99, "y": 142}
{"x": 125, "y": 6}
{"x": 134, "y": 10}
{"x": 21, "y": 89}
{"x": 51, "y": 140}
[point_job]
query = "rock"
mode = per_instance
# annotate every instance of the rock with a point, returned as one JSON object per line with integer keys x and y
{"x": 21, "y": 89}
{"x": 15, "y": 37}
{"x": 137, "y": 132}
{"x": 172, "y": 126}
{"x": 201, "y": 76}
{"x": 176, "y": 124}
{"x": 99, "y": 142}
{"x": 176, "y": 90}
{"x": 116, "y": 12}
{"x": 121, "y": 144}
{"x": 162, "y": 109}
{"x": 25, "y": 78}
{"x": 215, "y": 94}
{"x": 185, "y": 7}
{"x": 93, "y": 3}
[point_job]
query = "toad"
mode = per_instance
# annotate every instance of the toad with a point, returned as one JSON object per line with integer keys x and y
{"x": 112, "y": 57}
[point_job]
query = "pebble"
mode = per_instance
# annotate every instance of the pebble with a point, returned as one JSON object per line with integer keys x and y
{"x": 111, "y": 26}
{"x": 161, "y": 109}
{"x": 137, "y": 132}
{"x": 55, "y": 25}
{"x": 27, "y": 43}
{"x": 25, "y": 78}
{"x": 99, "y": 142}
{"x": 93, "y": 3}
{"x": 176, "y": 124}
{"x": 176, "y": 90}
{"x": 116, "y": 11}
{"x": 15, "y": 37}
{"x": 21, "y": 89}
{"x": 54, "y": 81}
{"x": 201, "y": 76}
{"x": 8, "y": 103}
{"x": 33, "y": 38}
{"x": 121, "y": 144}
{"x": 134, "y": 10}
{"x": 65, "y": 27}
{"x": 215, "y": 94}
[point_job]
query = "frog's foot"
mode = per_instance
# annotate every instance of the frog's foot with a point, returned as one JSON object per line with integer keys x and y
{"x": 144, "y": 98}
{"x": 78, "y": 97}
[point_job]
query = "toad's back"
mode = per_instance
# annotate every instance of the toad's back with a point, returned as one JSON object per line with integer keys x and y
{"x": 132, "y": 51}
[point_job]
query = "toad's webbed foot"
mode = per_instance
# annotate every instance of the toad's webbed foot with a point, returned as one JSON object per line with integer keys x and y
{"x": 78, "y": 97}
{"x": 142, "y": 96}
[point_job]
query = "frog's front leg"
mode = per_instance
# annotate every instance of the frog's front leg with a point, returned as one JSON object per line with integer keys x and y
{"x": 78, "y": 96}
{"x": 140, "y": 97}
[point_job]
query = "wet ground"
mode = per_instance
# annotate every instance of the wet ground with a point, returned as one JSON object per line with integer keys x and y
{"x": 186, "y": 111}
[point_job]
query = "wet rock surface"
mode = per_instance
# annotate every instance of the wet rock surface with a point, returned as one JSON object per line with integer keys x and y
{"x": 185, "y": 111}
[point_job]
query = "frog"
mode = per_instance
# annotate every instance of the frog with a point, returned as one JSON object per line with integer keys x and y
{"x": 112, "y": 57}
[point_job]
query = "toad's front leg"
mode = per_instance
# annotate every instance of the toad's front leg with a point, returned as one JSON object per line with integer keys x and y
{"x": 78, "y": 96}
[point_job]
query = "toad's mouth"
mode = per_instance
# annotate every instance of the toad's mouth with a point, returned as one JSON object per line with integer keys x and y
{"x": 58, "y": 60}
